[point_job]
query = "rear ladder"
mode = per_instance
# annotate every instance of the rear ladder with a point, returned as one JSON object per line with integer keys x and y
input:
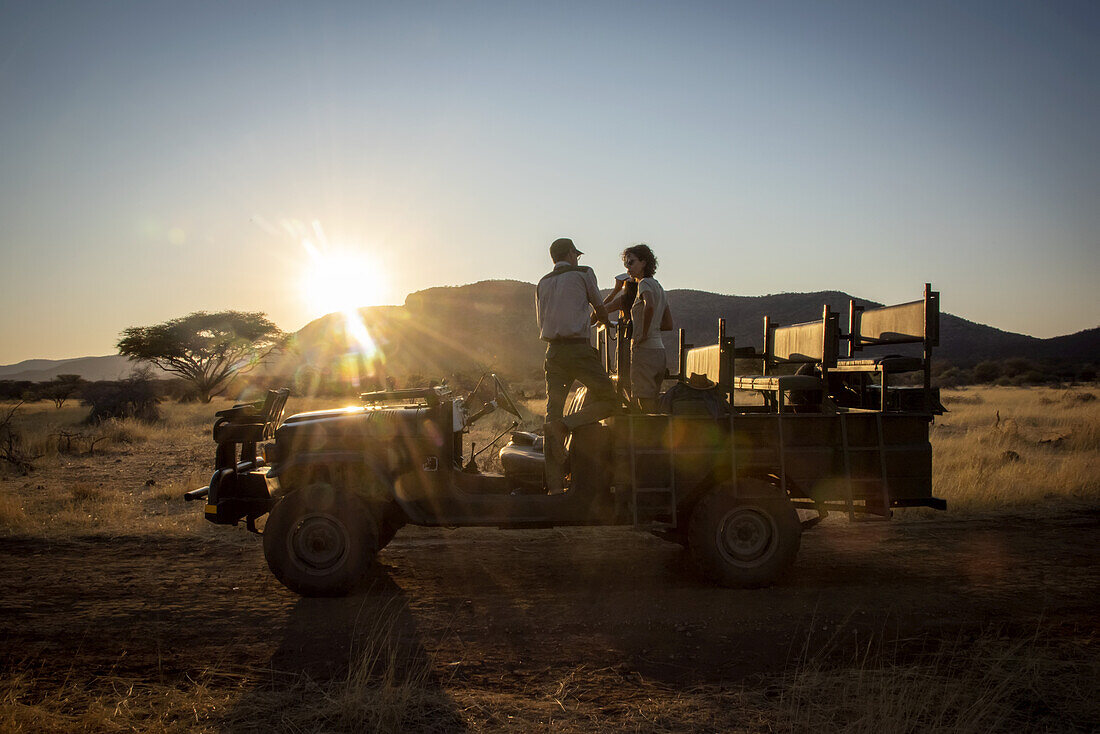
{"x": 654, "y": 496}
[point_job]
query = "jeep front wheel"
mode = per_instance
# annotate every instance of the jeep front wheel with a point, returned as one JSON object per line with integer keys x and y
{"x": 744, "y": 540}
{"x": 319, "y": 541}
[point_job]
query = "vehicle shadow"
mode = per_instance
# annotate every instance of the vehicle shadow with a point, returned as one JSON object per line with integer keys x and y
{"x": 356, "y": 663}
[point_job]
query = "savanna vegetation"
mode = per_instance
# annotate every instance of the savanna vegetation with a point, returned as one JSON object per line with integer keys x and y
{"x": 1024, "y": 451}
{"x": 206, "y": 350}
{"x": 1015, "y": 371}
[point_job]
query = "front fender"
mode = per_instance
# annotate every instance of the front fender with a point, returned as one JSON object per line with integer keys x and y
{"x": 370, "y": 479}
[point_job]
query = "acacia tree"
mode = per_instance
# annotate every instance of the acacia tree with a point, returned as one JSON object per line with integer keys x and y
{"x": 61, "y": 388}
{"x": 206, "y": 349}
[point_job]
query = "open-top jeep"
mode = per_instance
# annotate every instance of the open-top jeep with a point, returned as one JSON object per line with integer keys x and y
{"x": 726, "y": 480}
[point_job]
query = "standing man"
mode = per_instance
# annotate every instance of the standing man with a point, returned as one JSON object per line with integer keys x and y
{"x": 564, "y": 300}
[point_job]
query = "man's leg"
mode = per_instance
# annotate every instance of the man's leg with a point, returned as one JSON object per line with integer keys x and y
{"x": 601, "y": 400}
{"x": 558, "y": 382}
{"x": 559, "y": 378}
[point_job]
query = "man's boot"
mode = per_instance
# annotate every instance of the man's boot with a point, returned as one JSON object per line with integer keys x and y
{"x": 554, "y": 434}
{"x": 555, "y": 476}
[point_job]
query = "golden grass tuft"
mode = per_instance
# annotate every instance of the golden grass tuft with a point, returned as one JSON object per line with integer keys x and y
{"x": 384, "y": 690}
{"x": 110, "y": 704}
{"x": 127, "y": 431}
{"x": 12, "y": 514}
{"x": 87, "y": 494}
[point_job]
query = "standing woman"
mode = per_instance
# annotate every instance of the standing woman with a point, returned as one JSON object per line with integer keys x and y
{"x": 650, "y": 315}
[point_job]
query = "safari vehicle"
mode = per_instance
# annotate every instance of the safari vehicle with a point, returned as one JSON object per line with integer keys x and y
{"x": 735, "y": 484}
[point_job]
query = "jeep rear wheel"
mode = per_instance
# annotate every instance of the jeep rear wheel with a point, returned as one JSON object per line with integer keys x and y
{"x": 319, "y": 541}
{"x": 744, "y": 540}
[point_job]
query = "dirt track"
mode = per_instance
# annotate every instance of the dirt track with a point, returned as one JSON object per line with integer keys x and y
{"x": 506, "y": 609}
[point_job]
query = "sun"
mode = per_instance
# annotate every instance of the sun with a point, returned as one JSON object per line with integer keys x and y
{"x": 340, "y": 280}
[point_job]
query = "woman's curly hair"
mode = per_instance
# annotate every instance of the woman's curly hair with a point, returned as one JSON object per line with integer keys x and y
{"x": 642, "y": 252}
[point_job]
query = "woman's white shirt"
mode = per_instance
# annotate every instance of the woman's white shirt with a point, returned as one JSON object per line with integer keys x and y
{"x": 651, "y": 339}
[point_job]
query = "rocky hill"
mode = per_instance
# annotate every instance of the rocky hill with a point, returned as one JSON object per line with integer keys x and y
{"x": 491, "y": 325}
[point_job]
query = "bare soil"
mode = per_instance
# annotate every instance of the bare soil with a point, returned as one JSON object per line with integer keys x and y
{"x": 510, "y": 611}
{"x": 121, "y": 609}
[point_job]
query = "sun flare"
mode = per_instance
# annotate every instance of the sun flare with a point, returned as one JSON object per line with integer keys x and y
{"x": 340, "y": 280}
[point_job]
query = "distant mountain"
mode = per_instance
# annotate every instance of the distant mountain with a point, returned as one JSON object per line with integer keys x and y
{"x": 491, "y": 325}
{"x": 962, "y": 342}
{"x": 111, "y": 367}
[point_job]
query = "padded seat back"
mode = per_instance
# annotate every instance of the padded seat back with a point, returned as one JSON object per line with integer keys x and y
{"x": 814, "y": 342}
{"x": 710, "y": 362}
{"x": 275, "y": 406}
{"x": 915, "y": 322}
{"x": 905, "y": 323}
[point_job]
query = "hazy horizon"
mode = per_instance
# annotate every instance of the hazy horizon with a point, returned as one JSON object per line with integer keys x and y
{"x": 158, "y": 159}
{"x": 113, "y": 352}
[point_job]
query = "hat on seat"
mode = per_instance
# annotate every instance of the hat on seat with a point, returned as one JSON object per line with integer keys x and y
{"x": 699, "y": 382}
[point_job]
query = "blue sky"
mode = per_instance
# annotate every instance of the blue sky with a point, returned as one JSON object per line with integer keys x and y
{"x": 159, "y": 158}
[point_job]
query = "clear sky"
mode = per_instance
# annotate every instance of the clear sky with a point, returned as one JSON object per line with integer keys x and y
{"x": 158, "y": 158}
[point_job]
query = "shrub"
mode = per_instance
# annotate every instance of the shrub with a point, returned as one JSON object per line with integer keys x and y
{"x": 60, "y": 388}
{"x": 953, "y": 377}
{"x": 17, "y": 390}
{"x": 1035, "y": 377}
{"x": 986, "y": 371}
{"x": 13, "y": 449}
{"x": 1017, "y": 366}
{"x": 134, "y": 397}
{"x": 179, "y": 390}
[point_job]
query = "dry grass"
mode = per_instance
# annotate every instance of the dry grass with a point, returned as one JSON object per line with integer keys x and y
{"x": 1013, "y": 446}
{"x": 998, "y": 447}
{"x": 12, "y": 515}
{"x": 134, "y": 481}
{"x": 49, "y": 432}
{"x": 991, "y": 684}
{"x": 380, "y": 692}
{"x": 118, "y": 477}
{"x": 985, "y": 685}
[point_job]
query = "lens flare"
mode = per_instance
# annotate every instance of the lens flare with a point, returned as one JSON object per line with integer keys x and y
{"x": 340, "y": 280}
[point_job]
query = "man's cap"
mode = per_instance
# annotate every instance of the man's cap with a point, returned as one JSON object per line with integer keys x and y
{"x": 561, "y": 247}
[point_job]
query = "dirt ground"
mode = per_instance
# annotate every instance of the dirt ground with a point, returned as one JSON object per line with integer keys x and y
{"x": 510, "y": 610}
{"x": 111, "y": 583}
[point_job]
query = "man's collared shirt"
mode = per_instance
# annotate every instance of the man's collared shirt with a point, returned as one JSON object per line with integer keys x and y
{"x": 563, "y": 301}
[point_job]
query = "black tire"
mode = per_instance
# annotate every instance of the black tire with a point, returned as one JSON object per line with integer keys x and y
{"x": 744, "y": 540}
{"x": 320, "y": 541}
